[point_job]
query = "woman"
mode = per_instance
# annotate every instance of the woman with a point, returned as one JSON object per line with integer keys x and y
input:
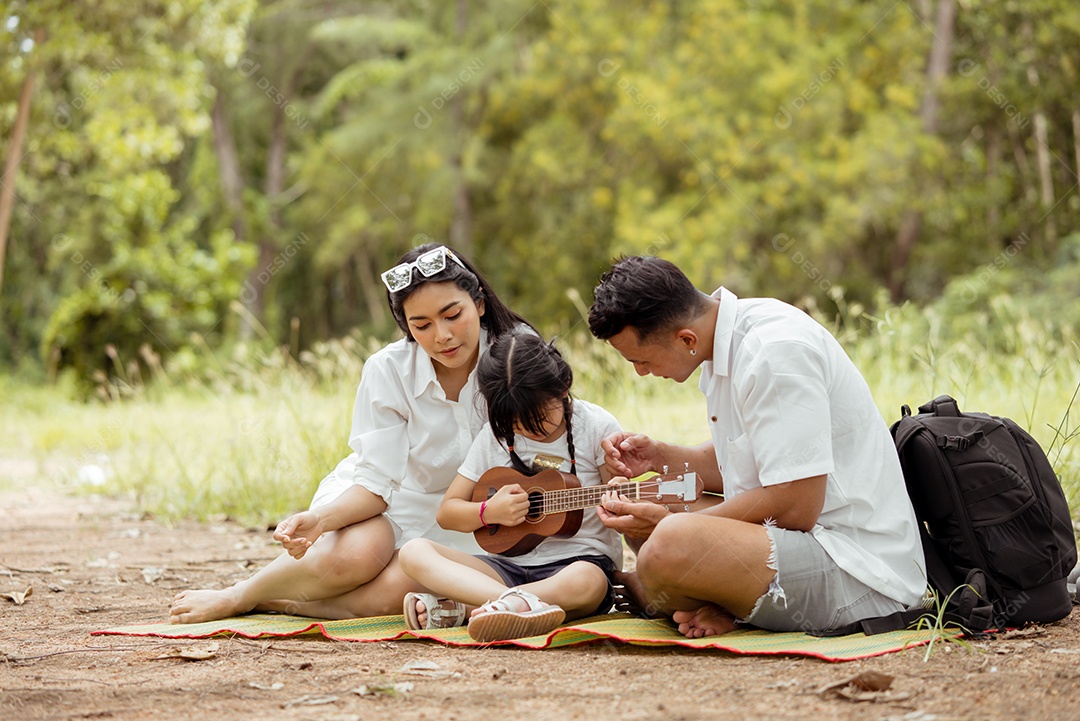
{"x": 414, "y": 420}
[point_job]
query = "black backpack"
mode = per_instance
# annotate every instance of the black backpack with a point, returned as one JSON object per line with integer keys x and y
{"x": 994, "y": 522}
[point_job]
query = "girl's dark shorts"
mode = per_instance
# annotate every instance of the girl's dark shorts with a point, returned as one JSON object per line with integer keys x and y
{"x": 513, "y": 574}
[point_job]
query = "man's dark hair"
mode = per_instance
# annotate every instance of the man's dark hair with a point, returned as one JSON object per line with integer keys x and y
{"x": 645, "y": 293}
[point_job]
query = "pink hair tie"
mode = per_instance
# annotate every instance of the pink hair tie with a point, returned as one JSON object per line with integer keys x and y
{"x": 483, "y": 507}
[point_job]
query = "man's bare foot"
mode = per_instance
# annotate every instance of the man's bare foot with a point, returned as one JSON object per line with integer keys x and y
{"x": 630, "y": 595}
{"x": 709, "y": 620}
{"x": 204, "y": 605}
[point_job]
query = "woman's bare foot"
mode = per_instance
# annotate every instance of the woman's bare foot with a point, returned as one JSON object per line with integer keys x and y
{"x": 709, "y": 620}
{"x": 630, "y": 595}
{"x": 205, "y": 605}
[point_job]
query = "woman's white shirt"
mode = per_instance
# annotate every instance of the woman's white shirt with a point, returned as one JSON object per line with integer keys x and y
{"x": 408, "y": 440}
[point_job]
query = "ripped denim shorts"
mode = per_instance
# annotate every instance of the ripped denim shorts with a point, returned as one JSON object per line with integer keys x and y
{"x": 810, "y": 592}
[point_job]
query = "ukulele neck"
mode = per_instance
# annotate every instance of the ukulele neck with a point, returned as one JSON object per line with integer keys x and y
{"x": 575, "y": 499}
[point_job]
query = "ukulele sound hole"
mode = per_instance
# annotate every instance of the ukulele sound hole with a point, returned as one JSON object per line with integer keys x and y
{"x": 536, "y": 507}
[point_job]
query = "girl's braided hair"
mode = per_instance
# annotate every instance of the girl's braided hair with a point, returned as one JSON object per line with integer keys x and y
{"x": 520, "y": 376}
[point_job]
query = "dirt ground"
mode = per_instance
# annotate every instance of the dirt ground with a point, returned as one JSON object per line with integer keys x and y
{"x": 93, "y": 564}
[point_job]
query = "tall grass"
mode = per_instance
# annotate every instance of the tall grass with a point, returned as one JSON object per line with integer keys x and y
{"x": 250, "y": 435}
{"x": 247, "y": 437}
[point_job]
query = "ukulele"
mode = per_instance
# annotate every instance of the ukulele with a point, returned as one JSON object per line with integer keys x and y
{"x": 557, "y": 499}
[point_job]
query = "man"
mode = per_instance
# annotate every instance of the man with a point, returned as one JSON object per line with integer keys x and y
{"x": 816, "y": 530}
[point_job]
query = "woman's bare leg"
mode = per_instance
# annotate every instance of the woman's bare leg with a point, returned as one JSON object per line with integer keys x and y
{"x": 381, "y": 596}
{"x": 338, "y": 562}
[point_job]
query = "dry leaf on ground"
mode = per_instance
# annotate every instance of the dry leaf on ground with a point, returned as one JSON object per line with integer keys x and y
{"x": 865, "y": 686}
{"x": 190, "y": 653}
{"x": 18, "y": 597}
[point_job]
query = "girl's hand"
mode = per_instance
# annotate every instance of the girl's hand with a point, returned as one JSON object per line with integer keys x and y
{"x": 297, "y": 532}
{"x": 631, "y": 454}
{"x": 508, "y": 507}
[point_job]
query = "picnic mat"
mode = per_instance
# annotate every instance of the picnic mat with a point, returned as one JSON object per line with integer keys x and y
{"x": 613, "y": 627}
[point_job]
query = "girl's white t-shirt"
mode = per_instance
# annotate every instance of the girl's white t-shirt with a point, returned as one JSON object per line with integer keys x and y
{"x": 590, "y": 424}
{"x": 408, "y": 440}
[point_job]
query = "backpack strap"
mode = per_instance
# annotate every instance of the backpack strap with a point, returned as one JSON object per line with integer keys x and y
{"x": 903, "y": 431}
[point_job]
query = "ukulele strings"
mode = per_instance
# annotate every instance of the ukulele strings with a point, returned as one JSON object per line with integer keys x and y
{"x": 569, "y": 499}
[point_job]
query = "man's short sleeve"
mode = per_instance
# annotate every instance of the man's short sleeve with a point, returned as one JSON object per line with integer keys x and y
{"x": 786, "y": 407}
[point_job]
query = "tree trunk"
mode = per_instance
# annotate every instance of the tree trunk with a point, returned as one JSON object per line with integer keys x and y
{"x": 1046, "y": 180}
{"x": 261, "y": 275}
{"x": 14, "y": 157}
{"x": 372, "y": 285}
{"x": 936, "y": 68}
{"x": 232, "y": 183}
{"x": 1017, "y": 143}
{"x": 461, "y": 221}
{"x": 1076, "y": 138}
{"x": 993, "y": 210}
{"x": 232, "y": 187}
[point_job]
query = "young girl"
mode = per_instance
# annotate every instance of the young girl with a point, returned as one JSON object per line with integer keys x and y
{"x": 532, "y": 422}
{"x": 414, "y": 420}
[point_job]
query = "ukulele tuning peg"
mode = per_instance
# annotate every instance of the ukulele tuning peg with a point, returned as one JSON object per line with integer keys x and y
{"x": 686, "y": 507}
{"x": 686, "y": 466}
{"x": 665, "y": 469}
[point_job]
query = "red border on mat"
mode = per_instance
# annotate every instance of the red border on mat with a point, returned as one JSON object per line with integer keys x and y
{"x": 716, "y": 645}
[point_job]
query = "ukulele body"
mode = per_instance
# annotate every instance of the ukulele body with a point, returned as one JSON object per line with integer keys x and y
{"x": 538, "y": 525}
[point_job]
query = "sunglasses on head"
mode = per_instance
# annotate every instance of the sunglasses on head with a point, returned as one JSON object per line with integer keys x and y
{"x": 433, "y": 261}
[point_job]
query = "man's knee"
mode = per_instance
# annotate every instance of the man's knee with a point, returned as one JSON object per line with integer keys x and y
{"x": 666, "y": 554}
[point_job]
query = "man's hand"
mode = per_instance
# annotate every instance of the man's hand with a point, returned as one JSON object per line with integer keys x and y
{"x": 631, "y": 454}
{"x": 633, "y": 520}
{"x": 297, "y": 532}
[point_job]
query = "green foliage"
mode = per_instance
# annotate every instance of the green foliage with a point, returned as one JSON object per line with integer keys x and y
{"x": 773, "y": 147}
{"x": 143, "y": 300}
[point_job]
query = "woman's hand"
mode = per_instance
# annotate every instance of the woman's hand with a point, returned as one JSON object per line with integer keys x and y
{"x": 297, "y": 532}
{"x": 631, "y": 454}
{"x": 508, "y": 507}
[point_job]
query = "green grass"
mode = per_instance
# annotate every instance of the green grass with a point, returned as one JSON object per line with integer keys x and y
{"x": 251, "y": 435}
{"x": 939, "y": 628}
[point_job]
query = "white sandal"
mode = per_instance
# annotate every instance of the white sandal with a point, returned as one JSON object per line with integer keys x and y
{"x": 496, "y": 621}
{"x": 441, "y": 612}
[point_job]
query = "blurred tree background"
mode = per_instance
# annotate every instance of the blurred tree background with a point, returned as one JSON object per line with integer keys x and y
{"x": 216, "y": 171}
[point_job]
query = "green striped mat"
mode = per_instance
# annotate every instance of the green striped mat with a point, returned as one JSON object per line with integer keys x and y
{"x": 619, "y": 627}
